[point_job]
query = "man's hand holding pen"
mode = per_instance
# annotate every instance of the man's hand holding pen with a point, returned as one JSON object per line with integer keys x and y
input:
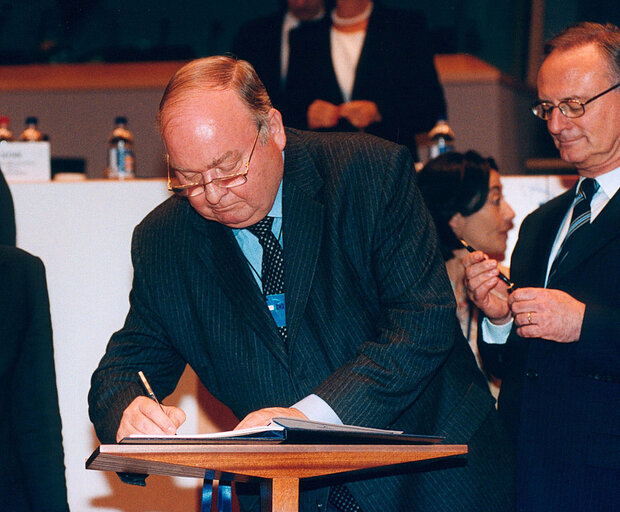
{"x": 485, "y": 288}
{"x": 538, "y": 312}
{"x": 144, "y": 416}
{"x": 149, "y": 416}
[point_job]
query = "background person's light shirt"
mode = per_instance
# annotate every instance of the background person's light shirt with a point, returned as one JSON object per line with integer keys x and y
{"x": 609, "y": 186}
{"x": 314, "y": 407}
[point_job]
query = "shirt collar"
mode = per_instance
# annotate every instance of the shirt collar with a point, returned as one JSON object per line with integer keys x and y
{"x": 292, "y": 21}
{"x": 609, "y": 182}
{"x": 276, "y": 209}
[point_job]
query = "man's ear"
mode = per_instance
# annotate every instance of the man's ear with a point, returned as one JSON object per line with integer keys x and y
{"x": 456, "y": 223}
{"x": 276, "y": 128}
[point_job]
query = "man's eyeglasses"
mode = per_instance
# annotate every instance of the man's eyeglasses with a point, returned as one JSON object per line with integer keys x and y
{"x": 569, "y": 108}
{"x": 195, "y": 184}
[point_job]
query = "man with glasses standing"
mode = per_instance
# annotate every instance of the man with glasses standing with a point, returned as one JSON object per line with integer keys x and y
{"x": 298, "y": 274}
{"x": 555, "y": 341}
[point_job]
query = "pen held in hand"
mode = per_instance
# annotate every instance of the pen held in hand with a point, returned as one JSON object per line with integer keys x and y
{"x": 511, "y": 285}
{"x": 149, "y": 390}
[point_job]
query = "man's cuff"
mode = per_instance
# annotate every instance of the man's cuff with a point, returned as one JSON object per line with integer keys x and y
{"x": 495, "y": 334}
{"x": 316, "y": 409}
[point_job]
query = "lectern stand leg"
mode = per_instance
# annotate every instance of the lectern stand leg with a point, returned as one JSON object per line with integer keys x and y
{"x": 280, "y": 495}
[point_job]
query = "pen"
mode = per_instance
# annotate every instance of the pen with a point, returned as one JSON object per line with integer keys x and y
{"x": 511, "y": 285}
{"x": 149, "y": 390}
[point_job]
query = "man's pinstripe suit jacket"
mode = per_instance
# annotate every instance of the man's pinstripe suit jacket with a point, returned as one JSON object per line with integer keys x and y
{"x": 370, "y": 316}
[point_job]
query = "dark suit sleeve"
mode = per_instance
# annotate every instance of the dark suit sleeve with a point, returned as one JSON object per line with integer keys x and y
{"x": 34, "y": 400}
{"x": 407, "y": 88}
{"x": 142, "y": 344}
{"x": 307, "y": 78}
{"x": 416, "y": 314}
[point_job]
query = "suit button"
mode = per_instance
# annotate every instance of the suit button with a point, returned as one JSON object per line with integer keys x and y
{"x": 531, "y": 374}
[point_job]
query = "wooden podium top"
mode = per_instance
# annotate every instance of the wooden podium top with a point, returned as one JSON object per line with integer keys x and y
{"x": 268, "y": 461}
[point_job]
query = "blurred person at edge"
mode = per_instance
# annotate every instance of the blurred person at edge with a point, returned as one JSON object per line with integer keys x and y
{"x": 32, "y": 471}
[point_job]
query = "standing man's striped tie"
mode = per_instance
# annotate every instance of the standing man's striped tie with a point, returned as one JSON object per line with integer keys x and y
{"x": 580, "y": 219}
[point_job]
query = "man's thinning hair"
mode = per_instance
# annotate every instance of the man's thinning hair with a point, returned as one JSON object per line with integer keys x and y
{"x": 605, "y": 36}
{"x": 219, "y": 73}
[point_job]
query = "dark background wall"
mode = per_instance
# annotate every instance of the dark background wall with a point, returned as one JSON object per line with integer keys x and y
{"x": 128, "y": 30}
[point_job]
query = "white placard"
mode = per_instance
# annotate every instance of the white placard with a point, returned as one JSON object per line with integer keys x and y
{"x": 25, "y": 161}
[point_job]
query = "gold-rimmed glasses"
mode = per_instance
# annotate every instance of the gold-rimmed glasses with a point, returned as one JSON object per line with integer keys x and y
{"x": 187, "y": 184}
{"x": 570, "y": 108}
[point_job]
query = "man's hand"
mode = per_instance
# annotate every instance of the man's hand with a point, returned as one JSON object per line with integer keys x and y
{"x": 264, "y": 416}
{"x": 322, "y": 114}
{"x": 144, "y": 416}
{"x": 549, "y": 314}
{"x": 360, "y": 113}
{"x": 485, "y": 289}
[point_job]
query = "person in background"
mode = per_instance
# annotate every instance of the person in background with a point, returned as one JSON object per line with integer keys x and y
{"x": 365, "y": 67}
{"x": 32, "y": 471}
{"x": 356, "y": 325}
{"x": 264, "y": 42}
{"x": 463, "y": 192}
{"x": 7, "y": 214}
{"x": 555, "y": 340}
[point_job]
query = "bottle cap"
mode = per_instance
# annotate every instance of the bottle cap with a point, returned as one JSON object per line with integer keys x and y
{"x": 32, "y": 120}
{"x": 4, "y": 120}
{"x": 442, "y": 128}
{"x": 120, "y": 120}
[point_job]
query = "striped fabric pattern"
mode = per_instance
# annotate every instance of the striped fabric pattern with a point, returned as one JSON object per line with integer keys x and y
{"x": 580, "y": 218}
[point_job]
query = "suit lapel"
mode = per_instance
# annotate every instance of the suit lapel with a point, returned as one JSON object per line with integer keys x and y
{"x": 366, "y": 64}
{"x": 222, "y": 254}
{"x": 537, "y": 252}
{"x": 302, "y": 227}
{"x": 591, "y": 238}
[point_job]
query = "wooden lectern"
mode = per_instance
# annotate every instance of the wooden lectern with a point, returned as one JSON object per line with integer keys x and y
{"x": 278, "y": 467}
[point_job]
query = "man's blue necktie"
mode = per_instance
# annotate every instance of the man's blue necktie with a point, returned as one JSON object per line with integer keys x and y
{"x": 272, "y": 273}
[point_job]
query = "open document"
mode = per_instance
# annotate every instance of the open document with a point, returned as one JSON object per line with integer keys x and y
{"x": 291, "y": 431}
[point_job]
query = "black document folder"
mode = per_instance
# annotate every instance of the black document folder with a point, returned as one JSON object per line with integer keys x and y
{"x": 292, "y": 431}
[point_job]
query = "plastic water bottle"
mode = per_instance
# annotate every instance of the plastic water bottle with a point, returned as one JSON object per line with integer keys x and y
{"x": 31, "y": 133}
{"x": 442, "y": 138}
{"x": 6, "y": 134}
{"x": 121, "y": 158}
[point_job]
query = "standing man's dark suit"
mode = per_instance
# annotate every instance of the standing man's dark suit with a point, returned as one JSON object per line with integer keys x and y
{"x": 32, "y": 472}
{"x": 544, "y": 382}
{"x": 370, "y": 317}
{"x": 395, "y": 71}
{"x": 560, "y": 364}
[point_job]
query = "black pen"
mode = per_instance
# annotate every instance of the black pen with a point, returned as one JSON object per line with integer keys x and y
{"x": 511, "y": 285}
{"x": 149, "y": 390}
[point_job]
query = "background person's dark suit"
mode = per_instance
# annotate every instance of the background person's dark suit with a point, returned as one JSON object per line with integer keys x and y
{"x": 32, "y": 472}
{"x": 395, "y": 70}
{"x": 562, "y": 400}
{"x": 259, "y": 42}
{"x": 366, "y": 332}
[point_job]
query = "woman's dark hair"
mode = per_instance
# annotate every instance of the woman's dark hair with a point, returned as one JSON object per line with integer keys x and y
{"x": 454, "y": 183}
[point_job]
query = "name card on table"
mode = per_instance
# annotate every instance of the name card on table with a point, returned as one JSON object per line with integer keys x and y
{"x": 25, "y": 161}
